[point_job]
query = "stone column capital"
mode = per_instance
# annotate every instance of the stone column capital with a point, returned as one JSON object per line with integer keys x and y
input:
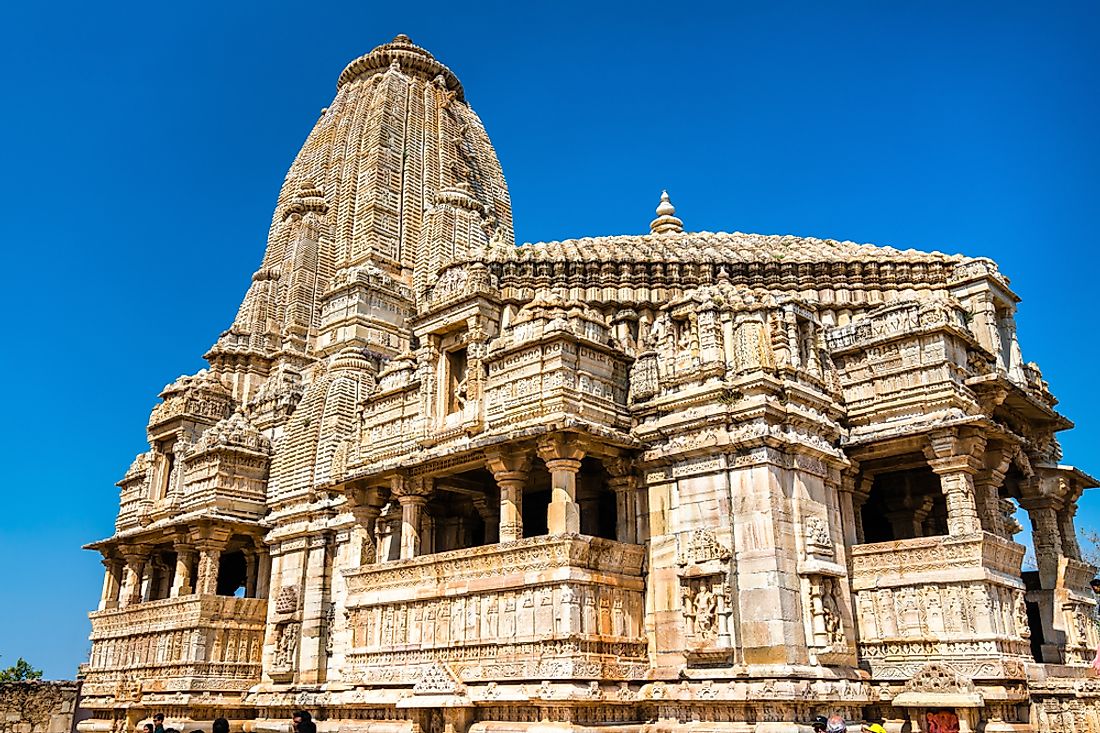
{"x": 364, "y": 496}
{"x": 569, "y": 465}
{"x": 205, "y": 547}
{"x": 955, "y": 464}
{"x": 619, "y": 467}
{"x": 413, "y": 490}
{"x": 412, "y": 500}
{"x": 1040, "y": 503}
{"x": 849, "y": 479}
{"x": 209, "y": 537}
{"x": 954, "y": 443}
{"x": 619, "y": 484}
{"x": 508, "y": 465}
{"x": 558, "y": 447}
{"x": 405, "y": 487}
{"x": 135, "y": 554}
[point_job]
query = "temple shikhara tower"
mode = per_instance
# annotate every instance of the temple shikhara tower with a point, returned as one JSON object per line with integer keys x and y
{"x": 435, "y": 482}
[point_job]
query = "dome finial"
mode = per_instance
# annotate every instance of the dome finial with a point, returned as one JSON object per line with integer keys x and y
{"x": 666, "y": 220}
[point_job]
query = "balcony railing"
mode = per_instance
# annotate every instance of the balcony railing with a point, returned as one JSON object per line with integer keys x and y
{"x": 931, "y": 598}
{"x": 539, "y": 608}
{"x": 194, "y": 642}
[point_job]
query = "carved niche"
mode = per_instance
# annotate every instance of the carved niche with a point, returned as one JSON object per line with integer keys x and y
{"x": 437, "y": 679}
{"x": 287, "y": 632}
{"x": 285, "y": 658}
{"x": 828, "y": 637}
{"x": 938, "y": 685}
{"x": 705, "y": 596}
{"x": 818, "y": 541}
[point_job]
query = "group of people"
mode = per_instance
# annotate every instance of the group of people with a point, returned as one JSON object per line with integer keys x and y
{"x": 837, "y": 724}
{"x": 302, "y": 722}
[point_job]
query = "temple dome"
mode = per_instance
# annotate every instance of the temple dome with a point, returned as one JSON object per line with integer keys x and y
{"x": 408, "y": 56}
{"x": 235, "y": 431}
{"x": 397, "y": 143}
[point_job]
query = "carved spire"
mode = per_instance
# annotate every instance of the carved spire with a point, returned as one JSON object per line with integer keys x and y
{"x": 355, "y": 207}
{"x": 666, "y": 220}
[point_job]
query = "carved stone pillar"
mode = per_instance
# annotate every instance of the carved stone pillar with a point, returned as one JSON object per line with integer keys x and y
{"x": 984, "y": 325}
{"x": 562, "y": 456}
{"x": 1068, "y": 531}
{"x": 988, "y": 484}
{"x": 412, "y": 495}
{"x": 366, "y": 506}
{"x": 263, "y": 571}
{"x": 849, "y": 513}
{"x": 367, "y": 517}
{"x": 249, "y": 572}
{"x": 1013, "y": 358}
{"x": 112, "y": 583}
{"x": 790, "y": 323}
{"x": 956, "y": 459}
{"x": 210, "y": 555}
{"x": 316, "y": 601}
{"x": 860, "y": 495}
{"x": 510, "y": 471}
{"x": 588, "y": 504}
{"x": 136, "y": 558}
{"x": 1046, "y": 537}
{"x": 182, "y": 579}
{"x": 489, "y": 511}
{"x": 625, "y": 485}
{"x": 907, "y": 514}
{"x": 157, "y": 585}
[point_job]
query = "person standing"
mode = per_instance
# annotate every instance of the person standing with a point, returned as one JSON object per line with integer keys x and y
{"x": 299, "y": 717}
{"x": 158, "y": 723}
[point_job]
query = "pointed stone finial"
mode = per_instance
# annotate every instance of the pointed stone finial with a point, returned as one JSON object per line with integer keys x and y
{"x": 666, "y": 220}
{"x": 665, "y": 208}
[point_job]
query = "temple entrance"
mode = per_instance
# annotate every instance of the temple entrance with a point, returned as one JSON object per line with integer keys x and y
{"x": 462, "y": 513}
{"x": 596, "y": 500}
{"x": 232, "y": 574}
{"x": 903, "y": 505}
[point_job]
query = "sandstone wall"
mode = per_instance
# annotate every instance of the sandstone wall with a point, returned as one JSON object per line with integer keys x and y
{"x": 37, "y": 707}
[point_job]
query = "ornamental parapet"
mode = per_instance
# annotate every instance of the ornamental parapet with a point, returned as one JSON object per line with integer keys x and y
{"x": 907, "y": 363}
{"x": 195, "y": 643}
{"x": 882, "y": 563}
{"x": 200, "y": 397}
{"x": 539, "y": 608}
{"x": 953, "y": 598}
{"x": 556, "y": 358}
{"x": 500, "y": 561}
{"x": 171, "y": 614}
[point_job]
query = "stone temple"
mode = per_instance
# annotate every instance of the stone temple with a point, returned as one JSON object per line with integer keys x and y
{"x": 435, "y": 482}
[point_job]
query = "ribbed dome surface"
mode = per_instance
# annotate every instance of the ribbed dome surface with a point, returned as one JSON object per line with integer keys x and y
{"x": 717, "y": 247}
{"x": 398, "y": 132}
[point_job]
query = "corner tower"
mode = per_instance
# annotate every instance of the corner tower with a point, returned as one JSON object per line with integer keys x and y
{"x": 397, "y": 179}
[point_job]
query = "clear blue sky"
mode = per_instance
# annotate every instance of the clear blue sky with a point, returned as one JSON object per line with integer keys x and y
{"x": 144, "y": 144}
